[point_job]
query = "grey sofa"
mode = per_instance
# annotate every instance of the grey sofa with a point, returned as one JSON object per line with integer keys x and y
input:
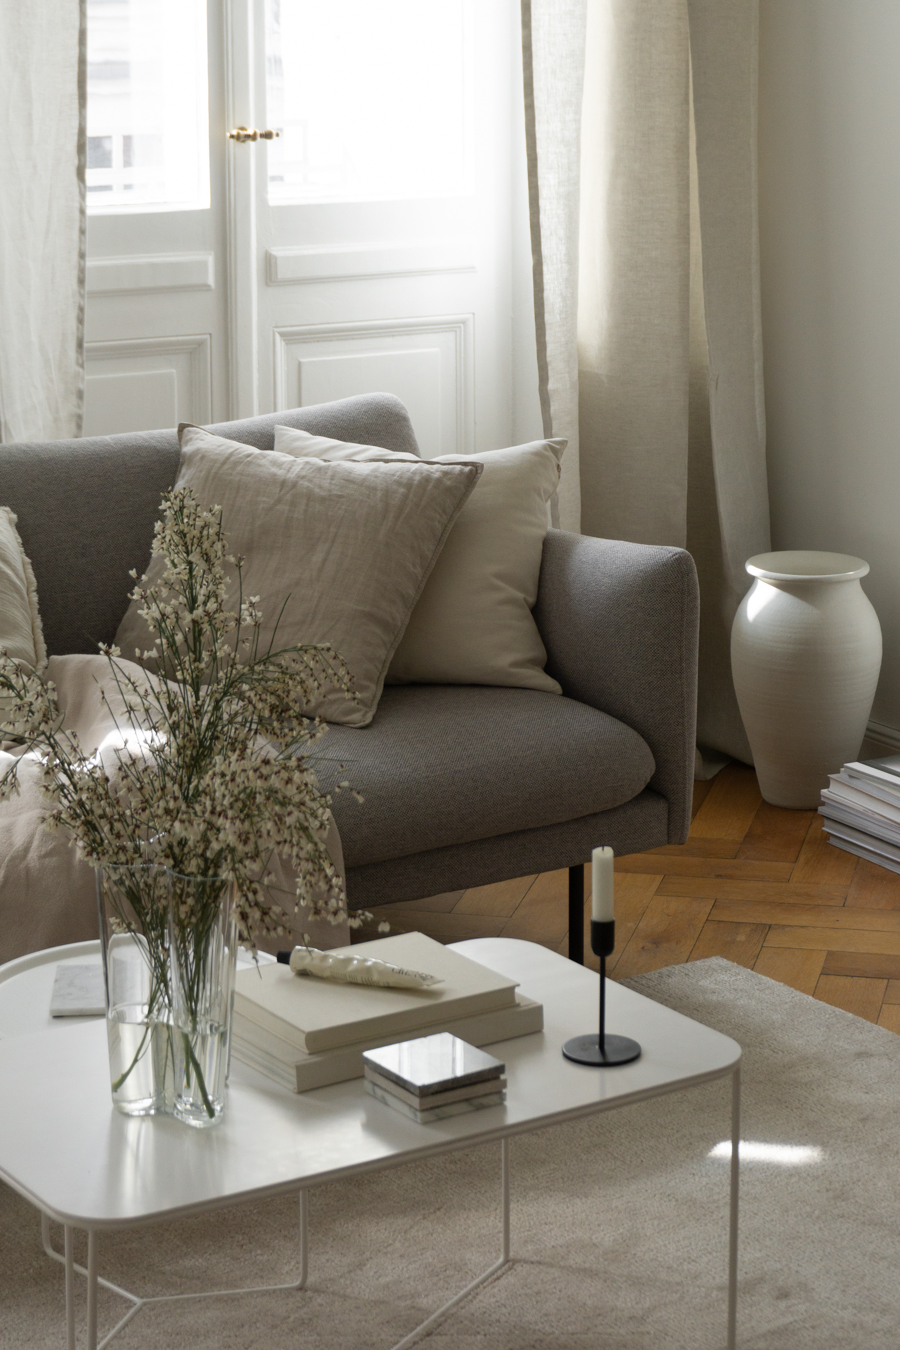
{"x": 462, "y": 785}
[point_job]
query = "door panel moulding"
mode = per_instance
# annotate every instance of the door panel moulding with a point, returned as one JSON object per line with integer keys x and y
{"x": 362, "y": 262}
{"x": 428, "y": 362}
{"x": 171, "y": 374}
{"x": 144, "y": 273}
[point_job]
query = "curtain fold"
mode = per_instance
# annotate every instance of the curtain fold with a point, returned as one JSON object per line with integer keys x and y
{"x": 43, "y": 87}
{"x": 553, "y": 70}
{"x": 666, "y": 331}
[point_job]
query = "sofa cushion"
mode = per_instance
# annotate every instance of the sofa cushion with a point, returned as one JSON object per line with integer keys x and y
{"x": 335, "y": 553}
{"x": 444, "y": 764}
{"x": 87, "y": 508}
{"x": 473, "y": 623}
{"x": 21, "y": 634}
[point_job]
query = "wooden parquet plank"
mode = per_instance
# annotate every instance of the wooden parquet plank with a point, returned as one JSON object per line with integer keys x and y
{"x": 889, "y": 1017}
{"x": 634, "y": 892}
{"x": 665, "y": 936}
{"x": 775, "y": 835}
{"x": 543, "y": 914}
{"x": 892, "y": 993}
{"x": 821, "y": 863}
{"x": 862, "y": 997}
{"x": 723, "y": 868}
{"x": 696, "y": 848}
{"x": 874, "y": 887}
{"x": 827, "y": 939}
{"x": 863, "y": 964}
{"x": 729, "y": 806}
{"x": 500, "y": 900}
{"x": 767, "y": 892}
{"x": 834, "y": 917}
{"x": 798, "y": 968}
{"x": 738, "y": 942}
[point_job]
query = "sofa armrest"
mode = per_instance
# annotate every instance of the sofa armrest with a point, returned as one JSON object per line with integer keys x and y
{"x": 620, "y": 624}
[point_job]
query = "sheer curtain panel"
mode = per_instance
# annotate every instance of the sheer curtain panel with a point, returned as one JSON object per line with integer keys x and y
{"x": 42, "y": 218}
{"x": 665, "y": 334}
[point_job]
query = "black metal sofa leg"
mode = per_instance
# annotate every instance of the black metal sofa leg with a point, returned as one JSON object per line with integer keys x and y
{"x": 576, "y": 914}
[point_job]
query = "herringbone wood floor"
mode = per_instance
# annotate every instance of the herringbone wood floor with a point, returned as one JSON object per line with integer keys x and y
{"x": 754, "y": 883}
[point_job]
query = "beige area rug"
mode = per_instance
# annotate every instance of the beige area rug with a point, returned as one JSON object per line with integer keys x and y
{"x": 619, "y": 1224}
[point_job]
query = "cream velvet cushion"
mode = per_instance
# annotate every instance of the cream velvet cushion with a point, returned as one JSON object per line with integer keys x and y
{"x": 473, "y": 623}
{"x": 347, "y": 545}
{"x": 21, "y": 634}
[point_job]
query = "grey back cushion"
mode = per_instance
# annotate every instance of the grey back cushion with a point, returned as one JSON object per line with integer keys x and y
{"x": 87, "y": 508}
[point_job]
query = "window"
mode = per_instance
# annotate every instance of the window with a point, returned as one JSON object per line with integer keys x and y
{"x": 148, "y": 132}
{"x": 387, "y": 116}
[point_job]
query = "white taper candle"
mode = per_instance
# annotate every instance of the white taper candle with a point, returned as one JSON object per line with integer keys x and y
{"x": 602, "y": 906}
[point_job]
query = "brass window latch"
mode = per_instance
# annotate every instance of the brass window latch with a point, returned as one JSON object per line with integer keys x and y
{"x": 242, "y": 134}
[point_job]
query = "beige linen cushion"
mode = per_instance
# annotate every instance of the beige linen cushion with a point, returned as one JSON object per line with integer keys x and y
{"x": 21, "y": 633}
{"x": 347, "y": 545}
{"x": 473, "y": 623}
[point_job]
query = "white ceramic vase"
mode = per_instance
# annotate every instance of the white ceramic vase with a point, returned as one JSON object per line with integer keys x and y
{"x": 805, "y": 656}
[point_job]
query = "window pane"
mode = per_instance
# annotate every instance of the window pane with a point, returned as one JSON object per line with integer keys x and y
{"x": 148, "y": 133}
{"x": 373, "y": 101}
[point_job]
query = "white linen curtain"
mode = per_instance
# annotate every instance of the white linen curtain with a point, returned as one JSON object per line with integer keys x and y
{"x": 42, "y": 218}
{"x": 668, "y": 396}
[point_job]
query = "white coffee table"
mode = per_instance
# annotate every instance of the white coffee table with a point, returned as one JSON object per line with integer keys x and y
{"x": 66, "y": 1150}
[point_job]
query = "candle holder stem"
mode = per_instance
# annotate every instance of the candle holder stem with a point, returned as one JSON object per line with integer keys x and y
{"x": 601, "y": 1038}
{"x": 602, "y": 1051}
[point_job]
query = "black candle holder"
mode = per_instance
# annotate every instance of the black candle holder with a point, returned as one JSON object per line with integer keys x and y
{"x": 601, "y": 1050}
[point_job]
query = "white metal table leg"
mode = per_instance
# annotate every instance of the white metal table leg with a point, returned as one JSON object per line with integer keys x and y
{"x": 92, "y": 1291}
{"x": 69, "y": 1239}
{"x": 94, "y": 1280}
{"x": 503, "y": 1260}
{"x": 733, "y": 1207}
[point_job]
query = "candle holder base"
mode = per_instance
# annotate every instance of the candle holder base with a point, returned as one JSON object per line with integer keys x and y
{"x": 615, "y": 1050}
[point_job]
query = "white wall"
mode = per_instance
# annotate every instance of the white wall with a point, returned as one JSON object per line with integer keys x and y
{"x": 829, "y": 157}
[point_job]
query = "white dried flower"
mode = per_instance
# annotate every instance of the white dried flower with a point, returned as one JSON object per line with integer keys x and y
{"x": 207, "y": 764}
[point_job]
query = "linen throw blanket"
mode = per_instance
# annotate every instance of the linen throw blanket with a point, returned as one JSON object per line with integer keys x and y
{"x": 47, "y": 893}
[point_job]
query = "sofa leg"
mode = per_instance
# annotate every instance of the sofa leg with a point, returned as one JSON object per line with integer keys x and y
{"x": 576, "y": 914}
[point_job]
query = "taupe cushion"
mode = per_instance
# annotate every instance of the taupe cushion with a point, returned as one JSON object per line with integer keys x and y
{"x": 473, "y": 621}
{"x": 335, "y": 553}
{"x": 450, "y": 764}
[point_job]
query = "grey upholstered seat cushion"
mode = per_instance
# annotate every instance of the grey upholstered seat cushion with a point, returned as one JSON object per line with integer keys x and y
{"x": 450, "y": 764}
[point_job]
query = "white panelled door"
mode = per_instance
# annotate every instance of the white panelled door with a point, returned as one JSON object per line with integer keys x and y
{"x": 156, "y": 312}
{"x": 365, "y": 246}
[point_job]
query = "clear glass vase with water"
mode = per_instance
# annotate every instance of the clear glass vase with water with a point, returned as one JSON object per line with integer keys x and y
{"x": 202, "y": 956}
{"x": 133, "y": 911}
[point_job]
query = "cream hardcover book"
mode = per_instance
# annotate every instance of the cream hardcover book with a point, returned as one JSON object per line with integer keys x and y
{"x": 274, "y": 1057}
{"x": 315, "y": 1015}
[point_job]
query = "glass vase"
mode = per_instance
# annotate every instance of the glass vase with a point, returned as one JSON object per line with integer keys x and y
{"x": 203, "y": 953}
{"x": 132, "y": 905}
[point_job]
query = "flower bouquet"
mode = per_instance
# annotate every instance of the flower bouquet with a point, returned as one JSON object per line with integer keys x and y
{"x": 201, "y": 815}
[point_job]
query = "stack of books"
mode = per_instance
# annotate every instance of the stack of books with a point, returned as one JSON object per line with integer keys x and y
{"x": 303, "y": 1032}
{"x": 434, "y": 1077}
{"x": 861, "y": 807}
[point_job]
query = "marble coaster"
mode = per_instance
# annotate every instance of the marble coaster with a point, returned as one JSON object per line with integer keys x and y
{"x": 78, "y": 991}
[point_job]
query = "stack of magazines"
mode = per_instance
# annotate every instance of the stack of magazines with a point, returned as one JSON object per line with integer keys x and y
{"x": 434, "y": 1077}
{"x": 861, "y": 807}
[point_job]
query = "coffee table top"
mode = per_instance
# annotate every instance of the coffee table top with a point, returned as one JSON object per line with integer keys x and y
{"x": 66, "y": 1149}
